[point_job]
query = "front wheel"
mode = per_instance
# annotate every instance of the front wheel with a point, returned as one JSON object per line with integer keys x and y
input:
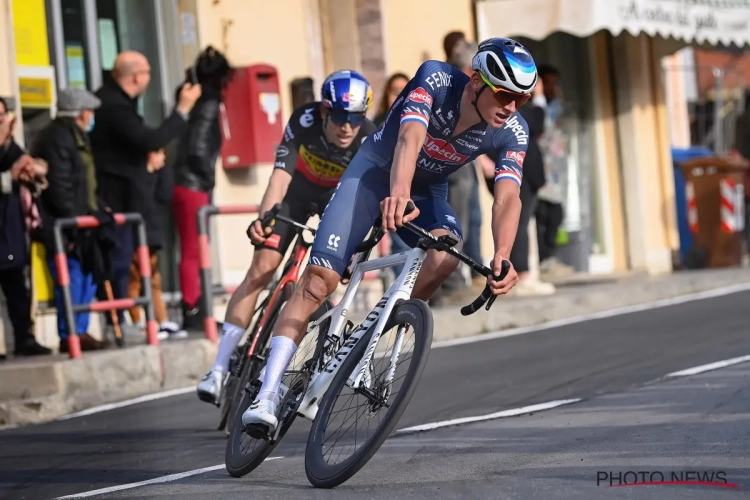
{"x": 333, "y": 455}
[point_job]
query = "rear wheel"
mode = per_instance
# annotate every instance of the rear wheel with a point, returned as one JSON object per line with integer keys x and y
{"x": 333, "y": 455}
{"x": 252, "y": 363}
{"x": 245, "y": 452}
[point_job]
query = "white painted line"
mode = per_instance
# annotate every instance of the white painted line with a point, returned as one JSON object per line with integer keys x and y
{"x": 707, "y": 294}
{"x": 710, "y": 366}
{"x": 492, "y": 416}
{"x": 716, "y": 292}
{"x": 158, "y": 480}
{"x": 129, "y": 402}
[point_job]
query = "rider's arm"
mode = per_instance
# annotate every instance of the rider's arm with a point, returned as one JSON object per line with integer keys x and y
{"x": 506, "y": 207}
{"x": 411, "y": 137}
{"x": 276, "y": 190}
{"x": 284, "y": 165}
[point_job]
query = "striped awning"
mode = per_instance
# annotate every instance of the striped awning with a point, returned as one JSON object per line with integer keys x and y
{"x": 715, "y": 22}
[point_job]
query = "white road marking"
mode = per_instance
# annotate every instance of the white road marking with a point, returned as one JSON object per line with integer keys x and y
{"x": 707, "y": 294}
{"x": 710, "y": 366}
{"x": 129, "y": 402}
{"x": 492, "y": 416}
{"x": 716, "y": 292}
{"x": 158, "y": 480}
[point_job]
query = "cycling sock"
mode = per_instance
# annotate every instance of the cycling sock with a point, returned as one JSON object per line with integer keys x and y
{"x": 229, "y": 342}
{"x": 282, "y": 351}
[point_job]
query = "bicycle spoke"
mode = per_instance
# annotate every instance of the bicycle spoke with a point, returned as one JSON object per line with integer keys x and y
{"x": 345, "y": 431}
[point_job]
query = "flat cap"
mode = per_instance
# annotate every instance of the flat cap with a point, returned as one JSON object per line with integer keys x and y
{"x": 72, "y": 101}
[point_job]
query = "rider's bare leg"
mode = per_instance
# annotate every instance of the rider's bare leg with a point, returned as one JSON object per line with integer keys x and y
{"x": 314, "y": 287}
{"x": 242, "y": 304}
{"x": 436, "y": 268}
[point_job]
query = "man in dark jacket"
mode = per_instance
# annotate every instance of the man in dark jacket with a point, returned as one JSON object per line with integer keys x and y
{"x": 195, "y": 167}
{"x": 121, "y": 143}
{"x": 15, "y": 166}
{"x": 64, "y": 145}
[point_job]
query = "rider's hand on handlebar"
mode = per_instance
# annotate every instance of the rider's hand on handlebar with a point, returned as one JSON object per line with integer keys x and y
{"x": 257, "y": 234}
{"x": 501, "y": 287}
{"x": 393, "y": 209}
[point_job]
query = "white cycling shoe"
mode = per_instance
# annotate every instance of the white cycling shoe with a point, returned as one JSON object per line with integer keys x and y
{"x": 262, "y": 412}
{"x": 209, "y": 389}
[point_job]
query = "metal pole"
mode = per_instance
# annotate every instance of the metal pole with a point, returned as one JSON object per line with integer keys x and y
{"x": 144, "y": 267}
{"x": 63, "y": 278}
{"x": 719, "y": 148}
{"x": 204, "y": 252}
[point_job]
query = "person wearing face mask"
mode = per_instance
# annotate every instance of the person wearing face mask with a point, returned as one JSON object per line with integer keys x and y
{"x": 65, "y": 145}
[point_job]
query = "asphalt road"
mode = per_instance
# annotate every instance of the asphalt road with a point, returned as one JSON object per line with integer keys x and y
{"x": 630, "y": 421}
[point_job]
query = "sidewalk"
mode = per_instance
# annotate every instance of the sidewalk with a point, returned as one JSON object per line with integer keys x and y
{"x": 33, "y": 391}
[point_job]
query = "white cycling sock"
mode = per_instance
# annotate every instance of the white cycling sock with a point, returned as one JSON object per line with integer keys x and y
{"x": 282, "y": 351}
{"x": 229, "y": 342}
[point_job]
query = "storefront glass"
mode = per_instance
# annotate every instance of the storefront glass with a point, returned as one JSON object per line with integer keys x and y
{"x": 575, "y": 163}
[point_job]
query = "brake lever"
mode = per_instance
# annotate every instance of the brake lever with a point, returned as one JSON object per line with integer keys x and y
{"x": 486, "y": 295}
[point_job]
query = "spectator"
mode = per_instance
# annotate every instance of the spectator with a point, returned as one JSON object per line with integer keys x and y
{"x": 449, "y": 43}
{"x": 393, "y": 87}
{"x": 161, "y": 194}
{"x": 549, "y": 210}
{"x": 16, "y": 169}
{"x": 64, "y": 144}
{"x": 121, "y": 143}
{"x": 195, "y": 163}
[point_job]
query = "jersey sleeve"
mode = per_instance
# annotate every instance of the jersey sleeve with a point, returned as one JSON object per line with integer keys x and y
{"x": 432, "y": 77}
{"x": 286, "y": 152}
{"x": 511, "y": 152}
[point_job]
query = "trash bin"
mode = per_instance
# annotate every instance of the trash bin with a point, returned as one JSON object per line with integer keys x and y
{"x": 715, "y": 198}
{"x": 680, "y": 155}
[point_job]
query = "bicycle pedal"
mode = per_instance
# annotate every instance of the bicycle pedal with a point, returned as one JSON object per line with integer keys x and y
{"x": 256, "y": 431}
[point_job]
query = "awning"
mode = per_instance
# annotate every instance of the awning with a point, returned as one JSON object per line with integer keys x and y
{"x": 700, "y": 21}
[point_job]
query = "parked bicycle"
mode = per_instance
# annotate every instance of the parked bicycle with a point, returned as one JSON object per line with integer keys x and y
{"x": 337, "y": 364}
{"x": 250, "y": 357}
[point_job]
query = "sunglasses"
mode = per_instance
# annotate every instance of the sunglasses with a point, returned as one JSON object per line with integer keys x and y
{"x": 505, "y": 97}
{"x": 341, "y": 117}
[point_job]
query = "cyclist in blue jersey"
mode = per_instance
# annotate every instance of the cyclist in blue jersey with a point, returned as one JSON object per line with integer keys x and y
{"x": 442, "y": 120}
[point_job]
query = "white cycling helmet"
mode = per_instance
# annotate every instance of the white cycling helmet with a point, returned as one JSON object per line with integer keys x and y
{"x": 505, "y": 64}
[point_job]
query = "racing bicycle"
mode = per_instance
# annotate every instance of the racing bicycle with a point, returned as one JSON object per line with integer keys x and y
{"x": 250, "y": 356}
{"x": 340, "y": 373}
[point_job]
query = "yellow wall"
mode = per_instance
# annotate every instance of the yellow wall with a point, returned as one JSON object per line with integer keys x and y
{"x": 256, "y": 35}
{"x": 414, "y": 30}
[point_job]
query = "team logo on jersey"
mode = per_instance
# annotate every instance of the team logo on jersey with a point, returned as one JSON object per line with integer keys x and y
{"x": 515, "y": 126}
{"x": 420, "y": 95}
{"x": 318, "y": 170}
{"x": 467, "y": 144}
{"x": 440, "y": 150}
{"x": 282, "y": 151}
{"x": 516, "y": 156}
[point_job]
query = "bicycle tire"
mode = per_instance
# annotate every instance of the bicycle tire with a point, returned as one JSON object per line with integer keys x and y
{"x": 235, "y": 464}
{"x": 323, "y": 475}
{"x": 229, "y": 394}
{"x": 252, "y": 368}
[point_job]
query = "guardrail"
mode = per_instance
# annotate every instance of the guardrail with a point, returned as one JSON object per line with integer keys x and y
{"x": 208, "y": 290}
{"x": 144, "y": 263}
{"x": 204, "y": 253}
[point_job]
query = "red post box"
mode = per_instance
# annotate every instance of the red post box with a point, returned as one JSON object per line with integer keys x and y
{"x": 251, "y": 120}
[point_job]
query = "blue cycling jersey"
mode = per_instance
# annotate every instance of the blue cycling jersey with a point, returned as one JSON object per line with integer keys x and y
{"x": 433, "y": 98}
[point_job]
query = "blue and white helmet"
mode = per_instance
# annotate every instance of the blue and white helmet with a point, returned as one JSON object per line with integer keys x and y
{"x": 505, "y": 64}
{"x": 347, "y": 90}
